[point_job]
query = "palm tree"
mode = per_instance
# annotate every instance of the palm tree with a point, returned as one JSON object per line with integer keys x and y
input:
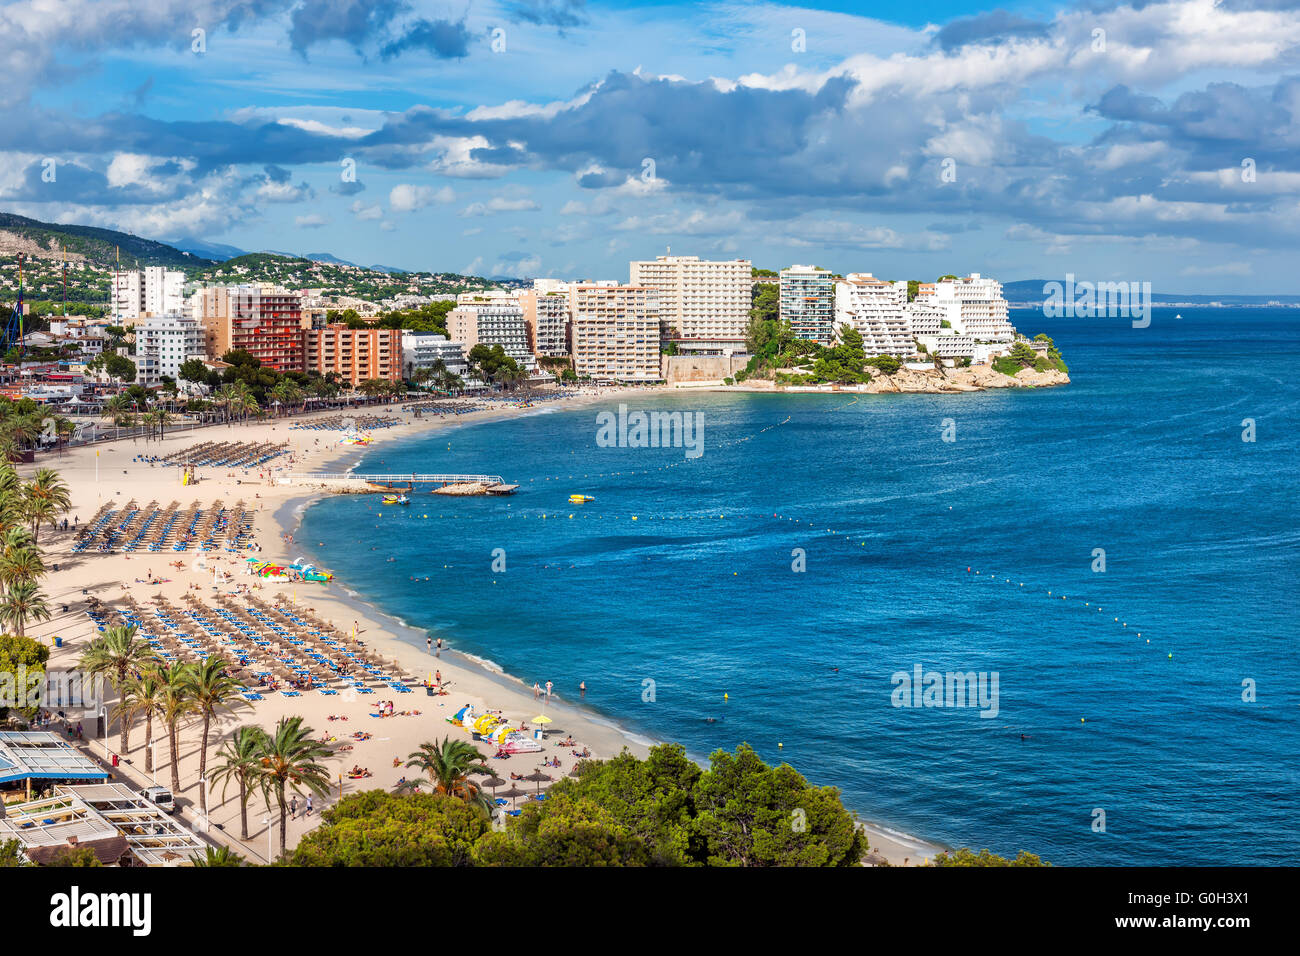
{"x": 118, "y": 655}
{"x": 289, "y": 758}
{"x": 116, "y": 408}
{"x": 23, "y": 602}
{"x": 175, "y": 700}
{"x": 212, "y": 689}
{"x": 241, "y": 761}
{"x": 143, "y": 697}
{"x": 20, "y": 560}
{"x": 217, "y": 856}
{"x": 449, "y": 765}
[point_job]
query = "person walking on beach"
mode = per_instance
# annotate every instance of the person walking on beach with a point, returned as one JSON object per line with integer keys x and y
{"x": 439, "y": 640}
{"x": 293, "y": 808}
{"x": 548, "y": 690}
{"x": 537, "y": 690}
{"x": 308, "y": 813}
{"x": 582, "y": 688}
{"x": 428, "y": 643}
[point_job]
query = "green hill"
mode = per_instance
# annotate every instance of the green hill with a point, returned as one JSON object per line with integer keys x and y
{"x": 99, "y": 246}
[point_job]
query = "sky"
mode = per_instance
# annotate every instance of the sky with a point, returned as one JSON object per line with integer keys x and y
{"x": 1147, "y": 141}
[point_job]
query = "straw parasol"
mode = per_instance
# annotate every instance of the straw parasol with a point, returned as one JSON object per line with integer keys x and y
{"x": 493, "y": 781}
{"x": 538, "y": 777}
{"x": 514, "y": 793}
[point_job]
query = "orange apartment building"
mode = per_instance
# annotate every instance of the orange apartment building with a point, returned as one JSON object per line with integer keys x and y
{"x": 354, "y": 355}
{"x": 263, "y": 320}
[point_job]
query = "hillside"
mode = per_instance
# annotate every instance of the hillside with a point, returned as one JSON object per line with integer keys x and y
{"x": 91, "y": 244}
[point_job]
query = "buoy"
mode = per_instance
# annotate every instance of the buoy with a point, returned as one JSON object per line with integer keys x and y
{"x": 726, "y": 696}
{"x": 1082, "y": 721}
{"x": 780, "y": 746}
{"x": 1171, "y": 657}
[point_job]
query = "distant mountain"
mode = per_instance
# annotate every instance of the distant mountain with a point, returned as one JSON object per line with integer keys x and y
{"x": 1031, "y": 291}
{"x": 217, "y": 251}
{"x": 18, "y": 234}
{"x": 330, "y": 258}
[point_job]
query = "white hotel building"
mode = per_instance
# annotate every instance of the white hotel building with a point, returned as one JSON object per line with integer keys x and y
{"x": 703, "y": 304}
{"x": 423, "y": 349}
{"x": 155, "y": 291}
{"x": 972, "y": 305}
{"x": 163, "y": 343}
{"x": 877, "y": 309}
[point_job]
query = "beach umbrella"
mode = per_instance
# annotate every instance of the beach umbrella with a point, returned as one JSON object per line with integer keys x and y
{"x": 538, "y": 777}
{"x": 541, "y": 719}
{"x": 493, "y": 781}
{"x": 514, "y": 793}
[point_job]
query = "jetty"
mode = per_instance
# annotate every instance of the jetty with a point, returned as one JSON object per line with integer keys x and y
{"x": 368, "y": 481}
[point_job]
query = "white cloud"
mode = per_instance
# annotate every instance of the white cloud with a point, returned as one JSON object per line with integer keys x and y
{"x": 408, "y": 198}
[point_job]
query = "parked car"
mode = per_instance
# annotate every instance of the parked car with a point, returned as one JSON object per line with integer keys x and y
{"x": 160, "y": 797}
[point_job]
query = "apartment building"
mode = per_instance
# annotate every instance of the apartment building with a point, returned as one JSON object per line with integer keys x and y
{"x": 424, "y": 349}
{"x": 972, "y": 305}
{"x": 808, "y": 302}
{"x": 262, "y": 319}
{"x": 354, "y": 355}
{"x": 703, "y": 304}
{"x": 877, "y": 309}
{"x": 498, "y": 321}
{"x": 163, "y": 343}
{"x": 546, "y": 315}
{"x": 616, "y": 333}
{"x": 153, "y": 291}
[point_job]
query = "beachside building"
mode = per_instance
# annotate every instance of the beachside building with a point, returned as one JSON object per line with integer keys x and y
{"x": 38, "y": 755}
{"x": 973, "y": 305}
{"x": 499, "y": 321}
{"x": 262, "y": 319}
{"x": 925, "y": 319}
{"x": 353, "y": 355}
{"x": 546, "y": 315}
{"x": 703, "y": 304}
{"x": 808, "y": 302}
{"x": 153, "y": 291}
{"x": 163, "y": 343}
{"x": 424, "y": 349}
{"x": 877, "y": 309}
{"x": 120, "y": 827}
{"x": 616, "y": 333}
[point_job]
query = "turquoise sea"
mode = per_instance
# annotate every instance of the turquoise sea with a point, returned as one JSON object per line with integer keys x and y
{"x": 1141, "y": 456}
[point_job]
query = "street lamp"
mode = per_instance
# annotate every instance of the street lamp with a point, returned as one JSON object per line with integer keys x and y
{"x": 103, "y": 722}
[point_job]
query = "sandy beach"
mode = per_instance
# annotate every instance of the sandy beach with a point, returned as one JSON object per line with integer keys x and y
{"x": 108, "y": 473}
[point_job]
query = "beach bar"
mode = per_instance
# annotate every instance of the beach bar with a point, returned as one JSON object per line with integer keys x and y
{"x": 40, "y": 755}
{"x": 120, "y": 827}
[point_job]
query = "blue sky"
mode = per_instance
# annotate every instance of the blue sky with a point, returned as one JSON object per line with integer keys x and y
{"x": 1153, "y": 142}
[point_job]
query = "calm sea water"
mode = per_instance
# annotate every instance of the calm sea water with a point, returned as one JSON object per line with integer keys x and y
{"x": 1142, "y": 456}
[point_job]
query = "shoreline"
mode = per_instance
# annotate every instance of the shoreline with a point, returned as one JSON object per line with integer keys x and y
{"x": 277, "y": 508}
{"x": 894, "y": 845}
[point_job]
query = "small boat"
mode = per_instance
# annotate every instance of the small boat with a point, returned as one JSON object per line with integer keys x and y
{"x": 1178, "y": 316}
{"x": 580, "y": 499}
{"x": 396, "y": 500}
